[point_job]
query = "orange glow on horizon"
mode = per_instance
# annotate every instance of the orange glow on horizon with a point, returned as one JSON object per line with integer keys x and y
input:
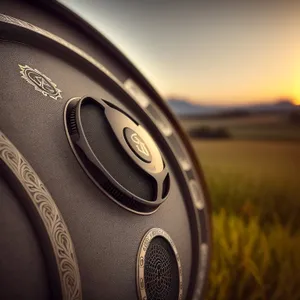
{"x": 274, "y": 88}
{"x": 236, "y": 56}
{"x": 297, "y": 93}
{"x": 287, "y": 88}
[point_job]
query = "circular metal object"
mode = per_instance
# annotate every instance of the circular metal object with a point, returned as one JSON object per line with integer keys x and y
{"x": 92, "y": 165}
{"x": 159, "y": 280}
{"x": 186, "y": 168}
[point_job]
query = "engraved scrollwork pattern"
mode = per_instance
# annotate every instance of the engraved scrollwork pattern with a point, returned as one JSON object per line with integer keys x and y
{"x": 45, "y": 206}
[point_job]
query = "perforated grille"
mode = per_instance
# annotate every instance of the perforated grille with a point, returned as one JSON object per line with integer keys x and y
{"x": 161, "y": 271}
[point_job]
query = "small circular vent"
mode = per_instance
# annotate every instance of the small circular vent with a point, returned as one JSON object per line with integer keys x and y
{"x": 159, "y": 271}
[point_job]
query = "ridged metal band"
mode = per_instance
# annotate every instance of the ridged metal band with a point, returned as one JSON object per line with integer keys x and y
{"x": 50, "y": 216}
{"x": 49, "y": 35}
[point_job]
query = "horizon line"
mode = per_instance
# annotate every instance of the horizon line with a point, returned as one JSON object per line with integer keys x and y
{"x": 235, "y": 103}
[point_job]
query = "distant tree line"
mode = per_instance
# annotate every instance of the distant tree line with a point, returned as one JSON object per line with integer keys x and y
{"x": 237, "y": 113}
{"x": 294, "y": 117}
{"x": 206, "y": 132}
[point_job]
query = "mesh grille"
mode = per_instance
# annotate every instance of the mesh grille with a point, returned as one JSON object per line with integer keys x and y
{"x": 161, "y": 271}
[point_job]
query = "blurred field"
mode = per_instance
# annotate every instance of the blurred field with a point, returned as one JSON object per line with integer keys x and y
{"x": 255, "y": 190}
{"x": 272, "y": 126}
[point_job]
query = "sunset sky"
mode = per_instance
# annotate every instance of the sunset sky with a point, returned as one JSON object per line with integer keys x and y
{"x": 219, "y": 52}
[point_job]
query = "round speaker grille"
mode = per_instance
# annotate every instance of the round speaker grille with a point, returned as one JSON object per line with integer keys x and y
{"x": 159, "y": 270}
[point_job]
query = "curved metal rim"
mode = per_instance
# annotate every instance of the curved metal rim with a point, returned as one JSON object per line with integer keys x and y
{"x": 44, "y": 206}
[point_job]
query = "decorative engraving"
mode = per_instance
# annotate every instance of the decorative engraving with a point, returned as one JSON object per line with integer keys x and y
{"x": 45, "y": 206}
{"x": 41, "y": 82}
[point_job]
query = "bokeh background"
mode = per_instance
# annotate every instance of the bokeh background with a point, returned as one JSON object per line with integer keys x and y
{"x": 230, "y": 70}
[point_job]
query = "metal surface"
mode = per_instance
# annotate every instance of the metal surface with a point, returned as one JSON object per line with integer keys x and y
{"x": 175, "y": 138}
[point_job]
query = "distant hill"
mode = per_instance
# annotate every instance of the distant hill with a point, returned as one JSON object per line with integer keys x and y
{"x": 183, "y": 107}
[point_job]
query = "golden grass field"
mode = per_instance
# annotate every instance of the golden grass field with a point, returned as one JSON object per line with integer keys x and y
{"x": 255, "y": 191}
